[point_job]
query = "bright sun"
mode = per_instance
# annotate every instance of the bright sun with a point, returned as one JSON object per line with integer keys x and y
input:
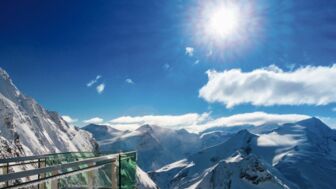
{"x": 223, "y": 21}
{"x": 226, "y": 27}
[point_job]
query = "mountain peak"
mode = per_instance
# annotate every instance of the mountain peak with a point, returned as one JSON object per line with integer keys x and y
{"x": 4, "y": 74}
{"x": 313, "y": 122}
{"x": 7, "y": 87}
{"x": 244, "y": 134}
{"x": 149, "y": 128}
{"x": 316, "y": 126}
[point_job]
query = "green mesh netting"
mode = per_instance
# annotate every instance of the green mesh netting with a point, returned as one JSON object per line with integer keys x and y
{"x": 127, "y": 163}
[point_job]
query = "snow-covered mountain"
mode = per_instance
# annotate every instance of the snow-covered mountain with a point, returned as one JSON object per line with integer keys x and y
{"x": 103, "y": 132}
{"x": 27, "y": 128}
{"x": 299, "y": 155}
{"x": 163, "y": 145}
{"x": 156, "y": 146}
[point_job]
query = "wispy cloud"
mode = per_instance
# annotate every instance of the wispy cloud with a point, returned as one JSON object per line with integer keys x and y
{"x": 166, "y": 66}
{"x": 92, "y": 82}
{"x": 334, "y": 109}
{"x": 69, "y": 119}
{"x": 100, "y": 88}
{"x": 197, "y": 62}
{"x": 269, "y": 86}
{"x": 129, "y": 81}
{"x": 189, "y": 51}
{"x": 95, "y": 120}
{"x": 195, "y": 122}
{"x": 171, "y": 121}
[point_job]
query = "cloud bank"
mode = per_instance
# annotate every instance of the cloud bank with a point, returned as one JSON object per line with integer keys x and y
{"x": 195, "y": 122}
{"x": 95, "y": 120}
{"x": 311, "y": 85}
{"x": 254, "y": 118}
{"x": 171, "y": 121}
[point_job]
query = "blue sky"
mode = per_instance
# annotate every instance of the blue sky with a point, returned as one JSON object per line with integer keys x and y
{"x": 153, "y": 56}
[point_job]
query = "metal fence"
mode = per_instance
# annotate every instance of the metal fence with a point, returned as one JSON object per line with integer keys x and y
{"x": 70, "y": 170}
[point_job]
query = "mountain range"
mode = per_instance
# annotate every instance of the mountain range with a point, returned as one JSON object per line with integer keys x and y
{"x": 296, "y": 155}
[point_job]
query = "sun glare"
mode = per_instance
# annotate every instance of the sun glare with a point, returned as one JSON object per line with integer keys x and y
{"x": 226, "y": 27}
{"x": 223, "y": 22}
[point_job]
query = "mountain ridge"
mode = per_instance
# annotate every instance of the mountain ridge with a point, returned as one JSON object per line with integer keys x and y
{"x": 288, "y": 153}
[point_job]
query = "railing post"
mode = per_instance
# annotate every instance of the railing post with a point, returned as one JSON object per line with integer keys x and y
{"x": 54, "y": 182}
{"x": 41, "y": 164}
{"x": 114, "y": 178}
{"x": 91, "y": 177}
{"x": 5, "y": 170}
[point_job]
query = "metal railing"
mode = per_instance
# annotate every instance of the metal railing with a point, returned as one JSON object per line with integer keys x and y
{"x": 70, "y": 170}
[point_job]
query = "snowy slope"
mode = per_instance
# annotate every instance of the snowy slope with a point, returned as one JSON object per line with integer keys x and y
{"x": 311, "y": 163}
{"x": 156, "y": 146}
{"x": 144, "y": 181}
{"x": 299, "y": 155}
{"x": 103, "y": 132}
{"x": 27, "y": 128}
{"x": 228, "y": 165}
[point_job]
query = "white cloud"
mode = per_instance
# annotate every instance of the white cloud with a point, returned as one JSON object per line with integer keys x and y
{"x": 129, "y": 81}
{"x": 69, "y": 119}
{"x": 197, "y": 62}
{"x": 171, "y": 121}
{"x": 189, "y": 51}
{"x": 254, "y": 118}
{"x": 166, "y": 66}
{"x": 95, "y": 120}
{"x": 92, "y": 82}
{"x": 198, "y": 122}
{"x": 100, "y": 88}
{"x": 311, "y": 85}
{"x": 334, "y": 109}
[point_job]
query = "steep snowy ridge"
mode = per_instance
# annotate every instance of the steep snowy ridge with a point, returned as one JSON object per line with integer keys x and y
{"x": 144, "y": 181}
{"x": 298, "y": 155}
{"x": 27, "y": 128}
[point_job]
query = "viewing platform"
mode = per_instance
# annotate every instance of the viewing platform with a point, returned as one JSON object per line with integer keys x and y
{"x": 70, "y": 170}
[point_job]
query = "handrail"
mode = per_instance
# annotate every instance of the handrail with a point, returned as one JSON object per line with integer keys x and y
{"x": 28, "y": 158}
{"x": 17, "y": 175}
{"x": 43, "y": 180}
